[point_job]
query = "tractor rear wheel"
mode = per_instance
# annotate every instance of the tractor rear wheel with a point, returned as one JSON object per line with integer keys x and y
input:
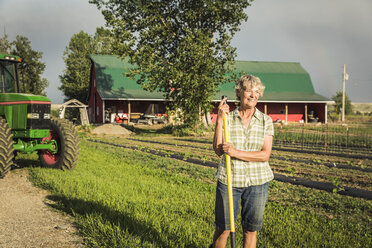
{"x": 66, "y": 157}
{"x": 6, "y": 148}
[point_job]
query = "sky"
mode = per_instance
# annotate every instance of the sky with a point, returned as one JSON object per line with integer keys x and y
{"x": 321, "y": 35}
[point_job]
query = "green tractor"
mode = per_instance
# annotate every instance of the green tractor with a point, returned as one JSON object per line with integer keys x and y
{"x": 26, "y": 125}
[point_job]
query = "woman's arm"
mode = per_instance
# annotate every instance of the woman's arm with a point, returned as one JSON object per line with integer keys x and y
{"x": 218, "y": 138}
{"x": 259, "y": 156}
{"x": 218, "y": 132}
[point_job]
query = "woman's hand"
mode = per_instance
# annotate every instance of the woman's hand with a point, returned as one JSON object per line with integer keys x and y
{"x": 222, "y": 109}
{"x": 228, "y": 148}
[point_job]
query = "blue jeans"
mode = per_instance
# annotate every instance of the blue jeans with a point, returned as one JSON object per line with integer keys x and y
{"x": 253, "y": 200}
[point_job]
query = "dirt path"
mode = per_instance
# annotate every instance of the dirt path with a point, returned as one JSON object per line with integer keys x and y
{"x": 26, "y": 220}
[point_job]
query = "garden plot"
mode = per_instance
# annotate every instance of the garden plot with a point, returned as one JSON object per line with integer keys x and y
{"x": 108, "y": 195}
{"x": 349, "y": 180}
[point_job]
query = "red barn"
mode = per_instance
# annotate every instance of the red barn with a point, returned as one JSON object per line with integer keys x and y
{"x": 289, "y": 95}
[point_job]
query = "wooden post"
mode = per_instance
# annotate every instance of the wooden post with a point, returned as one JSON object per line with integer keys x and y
{"x": 129, "y": 110}
{"x": 344, "y": 78}
{"x": 306, "y": 113}
{"x": 286, "y": 113}
{"x": 265, "y": 109}
{"x": 103, "y": 112}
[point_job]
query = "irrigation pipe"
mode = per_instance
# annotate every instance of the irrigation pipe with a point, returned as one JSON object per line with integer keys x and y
{"x": 354, "y": 192}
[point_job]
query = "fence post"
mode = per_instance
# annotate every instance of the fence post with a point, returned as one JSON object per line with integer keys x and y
{"x": 347, "y": 137}
{"x": 326, "y": 140}
{"x": 302, "y": 138}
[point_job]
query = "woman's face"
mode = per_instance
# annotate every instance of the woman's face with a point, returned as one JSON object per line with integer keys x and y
{"x": 249, "y": 97}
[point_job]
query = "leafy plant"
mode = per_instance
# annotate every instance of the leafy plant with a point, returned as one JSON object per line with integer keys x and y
{"x": 337, "y": 183}
{"x": 291, "y": 170}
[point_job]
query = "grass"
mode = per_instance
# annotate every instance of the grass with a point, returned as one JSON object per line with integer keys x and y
{"x": 124, "y": 198}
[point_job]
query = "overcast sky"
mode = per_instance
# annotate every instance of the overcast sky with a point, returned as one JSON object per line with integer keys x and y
{"x": 321, "y": 35}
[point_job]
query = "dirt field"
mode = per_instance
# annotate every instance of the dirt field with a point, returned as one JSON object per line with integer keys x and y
{"x": 26, "y": 218}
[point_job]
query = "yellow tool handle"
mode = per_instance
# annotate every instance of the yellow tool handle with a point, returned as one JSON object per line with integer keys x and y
{"x": 229, "y": 179}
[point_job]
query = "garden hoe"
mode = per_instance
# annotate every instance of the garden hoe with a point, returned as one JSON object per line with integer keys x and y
{"x": 229, "y": 182}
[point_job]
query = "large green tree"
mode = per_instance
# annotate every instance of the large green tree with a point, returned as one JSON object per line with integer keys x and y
{"x": 338, "y": 103}
{"x": 75, "y": 77}
{"x": 180, "y": 47}
{"x": 31, "y": 68}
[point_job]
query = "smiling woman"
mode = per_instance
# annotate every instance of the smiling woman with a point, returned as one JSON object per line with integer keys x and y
{"x": 250, "y": 146}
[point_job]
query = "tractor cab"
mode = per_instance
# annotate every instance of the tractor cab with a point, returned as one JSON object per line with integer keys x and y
{"x": 8, "y": 73}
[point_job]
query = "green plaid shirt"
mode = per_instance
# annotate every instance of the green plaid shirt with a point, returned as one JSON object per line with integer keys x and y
{"x": 245, "y": 173}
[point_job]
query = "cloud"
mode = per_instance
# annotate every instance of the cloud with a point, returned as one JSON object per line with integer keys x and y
{"x": 49, "y": 25}
{"x": 321, "y": 35}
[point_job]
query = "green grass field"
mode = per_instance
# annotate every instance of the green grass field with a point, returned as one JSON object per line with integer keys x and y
{"x": 125, "y": 198}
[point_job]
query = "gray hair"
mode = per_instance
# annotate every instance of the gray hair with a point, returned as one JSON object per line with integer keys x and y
{"x": 247, "y": 82}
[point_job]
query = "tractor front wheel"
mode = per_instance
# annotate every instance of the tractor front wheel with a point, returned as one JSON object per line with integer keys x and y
{"x": 67, "y": 153}
{"x": 6, "y": 148}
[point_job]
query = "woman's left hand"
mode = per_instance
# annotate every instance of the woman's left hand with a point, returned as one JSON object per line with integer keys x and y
{"x": 228, "y": 148}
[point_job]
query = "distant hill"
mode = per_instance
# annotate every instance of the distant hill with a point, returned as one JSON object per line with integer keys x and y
{"x": 362, "y": 107}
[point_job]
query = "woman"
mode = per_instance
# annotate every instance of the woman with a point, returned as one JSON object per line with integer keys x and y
{"x": 251, "y": 137}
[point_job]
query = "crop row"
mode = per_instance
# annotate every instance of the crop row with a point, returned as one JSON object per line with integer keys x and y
{"x": 335, "y": 164}
{"x": 329, "y": 183}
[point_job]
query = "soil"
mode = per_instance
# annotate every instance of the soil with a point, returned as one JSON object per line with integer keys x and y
{"x": 27, "y": 218}
{"x": 111, "y": 129}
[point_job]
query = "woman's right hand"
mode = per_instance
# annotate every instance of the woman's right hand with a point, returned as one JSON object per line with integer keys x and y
{"x": 223, "y": 109}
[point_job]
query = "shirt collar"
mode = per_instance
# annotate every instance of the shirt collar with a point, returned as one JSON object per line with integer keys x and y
{"x": 257, "y": 114}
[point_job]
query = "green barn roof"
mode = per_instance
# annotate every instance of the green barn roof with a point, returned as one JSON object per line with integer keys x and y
{"x": 112, "y": 82}
{"x": 284, "y": 81}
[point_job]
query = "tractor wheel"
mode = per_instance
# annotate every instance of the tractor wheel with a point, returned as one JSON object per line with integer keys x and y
{"x": 67, "y": 154}
{"x": 6, "y": 148}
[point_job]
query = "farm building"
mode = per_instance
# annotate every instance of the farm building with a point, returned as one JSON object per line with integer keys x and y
{"x": 289, "y": 95}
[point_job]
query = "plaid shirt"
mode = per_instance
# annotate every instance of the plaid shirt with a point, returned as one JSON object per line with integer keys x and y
{"x": 245, "y": 173}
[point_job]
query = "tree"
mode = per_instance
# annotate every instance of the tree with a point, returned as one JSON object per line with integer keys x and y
{"x": 5, "y": 45}
{"x": 75, "y": 78}
{"x": 180, "y": 47}
{"x": 104, "y": 41}
{"x": 31, "y": 68}
{"x": 338, "y": 103}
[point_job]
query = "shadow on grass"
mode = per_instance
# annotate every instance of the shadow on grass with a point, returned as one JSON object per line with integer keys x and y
{"x": 125, "y": 221}
{"x": 25, "y": 163}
